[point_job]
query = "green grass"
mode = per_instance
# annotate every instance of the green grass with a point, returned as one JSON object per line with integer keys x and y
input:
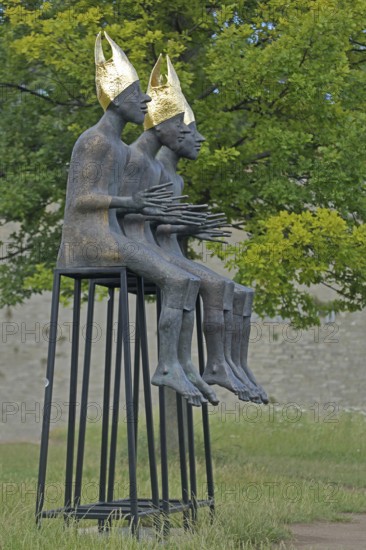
{"x": 269, "y": 473}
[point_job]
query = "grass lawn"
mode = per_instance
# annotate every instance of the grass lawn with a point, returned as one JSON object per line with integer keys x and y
{"x": 272, "y": 468}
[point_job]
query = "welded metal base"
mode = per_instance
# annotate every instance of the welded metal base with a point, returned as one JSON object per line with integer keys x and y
{"x": 133, "y": 508}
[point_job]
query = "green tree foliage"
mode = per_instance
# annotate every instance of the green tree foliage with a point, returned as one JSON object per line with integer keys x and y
{"x": 278, "y": 89}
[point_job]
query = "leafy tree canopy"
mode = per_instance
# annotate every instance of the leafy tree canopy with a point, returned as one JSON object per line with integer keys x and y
{"x": 278, "y": 89}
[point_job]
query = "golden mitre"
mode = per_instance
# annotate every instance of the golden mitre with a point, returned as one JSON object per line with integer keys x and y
{"x": 167, "y": 99}
{"x": 188, "y": 113}
{"x": 112, "y": 76}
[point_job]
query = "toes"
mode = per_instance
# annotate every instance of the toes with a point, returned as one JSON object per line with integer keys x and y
{"x": 256, "y": 399}
{"x": 255, "y": 396}
{"x": 196, "y": 402}
{"x": 212, "y": 397}
{"x": 243, "y": 396}
{"x": 189, "y": 398}
{"x": 194, "y": 399}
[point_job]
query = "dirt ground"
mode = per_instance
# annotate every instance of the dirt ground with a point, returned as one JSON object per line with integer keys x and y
{"x": 348, "y": 535}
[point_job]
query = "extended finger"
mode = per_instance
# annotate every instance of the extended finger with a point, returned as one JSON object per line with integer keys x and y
{"x": 213, "y": 240}
{"x": 160, "y": 186}
{"x": 161, "y": 205}
{"x": 155, "y": 197}
{"x": 196, "y": 214}
{"x": 218, "y": 221}
{"x": 198, "y": 206}
{"x": 213, "y": 223}
{"x": 180, "y": 197}
{"x": 189, "y": 216}
{"x": 167, "y": 199}
{"x": 191, "y": 220}
{"x": 179, "y": 206}
{"x": 219, "y": 234}
{"x": 155, "y": 205}
{"x": 163, "y": 196}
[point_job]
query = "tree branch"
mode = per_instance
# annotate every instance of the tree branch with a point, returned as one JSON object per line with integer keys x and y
{"x": 244, "y": 105}
{"x": 259, "y": 156}
{"x": 207, "y": 92}
{"x": 358, "y": 43}
{"x": 37, "y": 94}
{"x": 16, "y": 253}
{"x": 338, "y": 291}
{"x": 243, "y": 138}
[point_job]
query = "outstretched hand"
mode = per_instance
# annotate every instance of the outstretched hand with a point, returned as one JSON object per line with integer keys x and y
{"x": 157, "y": 197}
{"x": 183, "y": 216}
{"x": 214, "y": 235}
{"x": 216, "y": 221}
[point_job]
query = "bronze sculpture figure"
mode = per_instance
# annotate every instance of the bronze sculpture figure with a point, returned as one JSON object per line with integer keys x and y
{"x": 237, "y": 320}
{"x": 117, "y": 195}
{"x": 91, "y": 233}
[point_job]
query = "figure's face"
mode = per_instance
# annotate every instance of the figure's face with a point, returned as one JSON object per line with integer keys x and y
{"x": 191, "y": 144}
{"x": 173, "y": 132}
{"x": 131, "y": 103}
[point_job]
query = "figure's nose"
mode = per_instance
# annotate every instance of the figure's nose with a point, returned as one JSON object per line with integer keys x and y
{"x": 146, "y": 98}
{"x": 200, "y": 138}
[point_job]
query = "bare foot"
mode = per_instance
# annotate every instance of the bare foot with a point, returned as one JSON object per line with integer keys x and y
{"x": 222, "y": 375}
{"x": 174, "y": 377}
{"x": 197, "y": 381}
{"x": 251, "y": 377}
{"x": 241, "y": 375}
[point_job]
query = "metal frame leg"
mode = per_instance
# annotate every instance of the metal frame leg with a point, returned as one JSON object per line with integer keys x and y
{"x": 136, "y": 374}
{"x": 48, "y": 396}
{"x": 84, "y": 394}
{"x": 72, "y": 394}
{"x": 124, "y": 329}
{"x": 192, "y": 462}
{"x": 205, "y": 421}
{"x": 182, "y": 460}
{"x": 147, "y": 392}
{"x": 115, "y": 408}
{"x": 106, "y": 400}
{"x": 163, "y": 445}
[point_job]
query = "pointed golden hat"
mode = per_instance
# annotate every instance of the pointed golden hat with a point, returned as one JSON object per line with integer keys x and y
{"x": 112, "y": 76}
{"x": 188, "y": 113}
{"x": 167, "y": 99}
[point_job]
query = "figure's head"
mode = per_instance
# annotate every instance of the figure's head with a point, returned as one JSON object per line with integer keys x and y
{"x": 117, "y": 83}
{"x": 191, "y": 144}
{"x": 169, "y": 114}
{"x": 172, "y": 132}
{"x": 131, "y": 104}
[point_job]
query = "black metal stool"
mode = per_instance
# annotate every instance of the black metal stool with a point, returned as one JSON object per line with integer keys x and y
{"x": 108, "y": 507}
